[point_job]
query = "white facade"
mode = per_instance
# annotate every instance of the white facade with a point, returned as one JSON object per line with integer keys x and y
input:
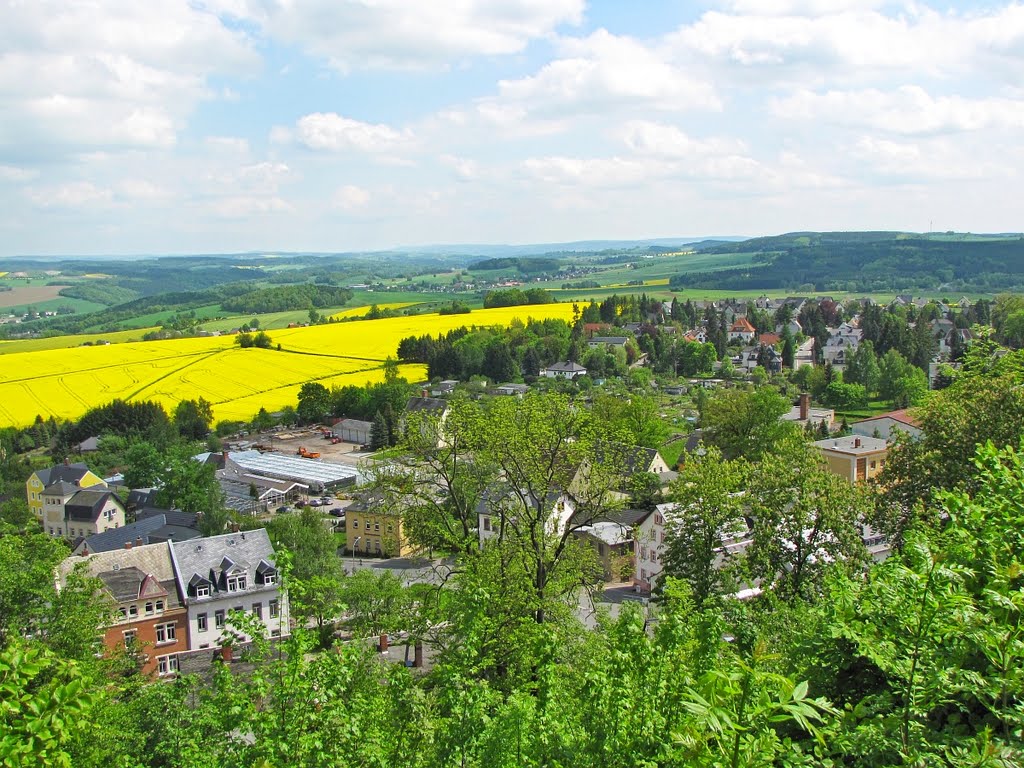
{"x": 220, "y": 574}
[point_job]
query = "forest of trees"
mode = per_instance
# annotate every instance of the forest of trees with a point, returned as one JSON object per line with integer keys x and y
{"x": 868, "y": 261}
{"x": 287, "y": 297}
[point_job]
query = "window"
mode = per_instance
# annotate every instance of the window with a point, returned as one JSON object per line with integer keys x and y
{"x": 270, "y": 578}
{"x": 167, "y": 665}
{"x": 236, "y": 583}
{"x": 133, "y": 611}
{"x": 367, "y": 525}
{"x": 203, "y": 590}
{"x": 273, "y": 609}
{"x": 201, "y": 623}
{"x": 165, "y": 633}
{"x": 129, "y": 638}
{"x": 391, "y": 526}
{"x": 149, "y": 607}
{"x": 257, "y": 610}
{"x": 376, "y": 526}
{"x": 123, "y": 612}
{"x": 159, "y": 605}
{"x": 218, "y": 619}
{"x": 487, "y": 523}
{"x": 355, "y": 523}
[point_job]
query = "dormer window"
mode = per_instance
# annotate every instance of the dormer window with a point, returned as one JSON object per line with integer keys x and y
{"x": 236, "y": 582}
{"x": 266, "y": 573}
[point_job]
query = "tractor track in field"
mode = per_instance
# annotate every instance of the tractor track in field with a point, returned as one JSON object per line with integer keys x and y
{"x": 158, "y": 379}
{"x": 89, "y": 369}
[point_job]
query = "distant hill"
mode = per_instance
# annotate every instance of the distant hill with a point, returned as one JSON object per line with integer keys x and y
{"x": 542, "y": 249}
{"x": 870, "y": 261}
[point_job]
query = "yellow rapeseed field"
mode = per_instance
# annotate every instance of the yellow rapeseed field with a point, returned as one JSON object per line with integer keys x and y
{"x": 63, "y": 342}
{"x": 65, "y": 382}
{"x": 360, "y": 311}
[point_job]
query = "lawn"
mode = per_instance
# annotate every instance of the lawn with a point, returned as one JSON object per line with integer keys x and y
{"x": 873, "y": 408}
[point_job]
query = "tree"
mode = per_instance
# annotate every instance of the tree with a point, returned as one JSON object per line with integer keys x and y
{"x": 31, "y": 606}
{"x": 806, "y": 520}
{"x": 379, "y": 436}
{"x": 376, "y": 601}
{"x": 984, "y": 403}
{"x": 144, "y": 465}
{"x": 745, "y": 424}
{"x": 843, "y": 396}
{"x": 191, "y": 486}
{"x": 708, "y": 512}
{"x": 313, "y": 570}
{"x": 193, "y": 418}
{"x": 901, "y": 383}
{"x": 314, "y": 402}
{"x": 862, "y": 368}
{"x": 262, "y": 421}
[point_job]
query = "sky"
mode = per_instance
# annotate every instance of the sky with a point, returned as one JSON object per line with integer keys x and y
{"x": 208, "y": 126}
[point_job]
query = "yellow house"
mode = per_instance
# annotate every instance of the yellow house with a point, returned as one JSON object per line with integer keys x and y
{"x": 855, "y": 457}
{"x": 372, "y": 528}
{"x": 76, "y": 476}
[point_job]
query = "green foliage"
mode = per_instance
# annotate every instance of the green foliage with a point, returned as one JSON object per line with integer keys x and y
{"x": 515, "y": 297}
{"x": 192, "y": 486}
{"x": 44, "y": 704}
{"x": 745, "y": 424}
{"x": 287, "y": 297}
{"x": 709, "y": 513}
{"x": 314, "y": 402}
{"x": 193, "y": 418}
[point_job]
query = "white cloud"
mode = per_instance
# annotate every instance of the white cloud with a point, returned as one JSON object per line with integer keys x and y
{"x": 331, "y": 132}
{"x": 405, "y": 34}
{"x": 12, "y": 173}
{"x": 799, "y": 7}
{"x": 245, "y": 206}
{"x": 464, "y": 168}
{"x": 853, "y": 41}
{"x": 605, "y": 72}
{"x": 907, "y": 110}
{"x": 140, "y": 190}
{"x": 110, "y": 73}
{"x": 232, "y": 144}
{"x": 351, "y": 198}
{"x": 77, "y": 194}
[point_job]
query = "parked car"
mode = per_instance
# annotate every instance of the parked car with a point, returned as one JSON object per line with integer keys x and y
{"x": 282, "y": 510}
{"x": 337, "y": 512}
{"x": 313, "y": 502}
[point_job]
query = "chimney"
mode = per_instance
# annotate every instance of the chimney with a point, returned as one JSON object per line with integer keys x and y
{"x": 67, "y": 462}
{"x": 138, "y": 541}
{"x": 127, "y": 545}
{"x": 425, "y": 392}
{"x": 805, "y": 406}
{"x": 224, "y": 456}
{"x": 856, "y": 442}
{"x": 383, "y": 646}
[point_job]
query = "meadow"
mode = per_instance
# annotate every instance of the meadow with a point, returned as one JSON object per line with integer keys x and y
{"x": 65, "y": 382}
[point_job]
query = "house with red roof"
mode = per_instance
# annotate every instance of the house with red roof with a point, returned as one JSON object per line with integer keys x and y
{"x": 742, "y": 330}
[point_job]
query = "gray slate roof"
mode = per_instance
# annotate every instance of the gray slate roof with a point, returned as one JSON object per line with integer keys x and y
{"x": 151, "y": 529}
{"x": 209, "y": 559}
{"x": 69, "y": 473}
{"x": 425, "y": 404}
{"x": 86, "y": 505}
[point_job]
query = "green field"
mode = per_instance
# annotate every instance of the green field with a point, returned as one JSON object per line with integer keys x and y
{"x": 81, "y": 306}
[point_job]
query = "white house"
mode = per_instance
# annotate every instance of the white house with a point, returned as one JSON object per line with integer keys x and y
{"x": 567, "y": 370}
{"x": 220, "y": 574}
{"x": 504, "y": 502}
